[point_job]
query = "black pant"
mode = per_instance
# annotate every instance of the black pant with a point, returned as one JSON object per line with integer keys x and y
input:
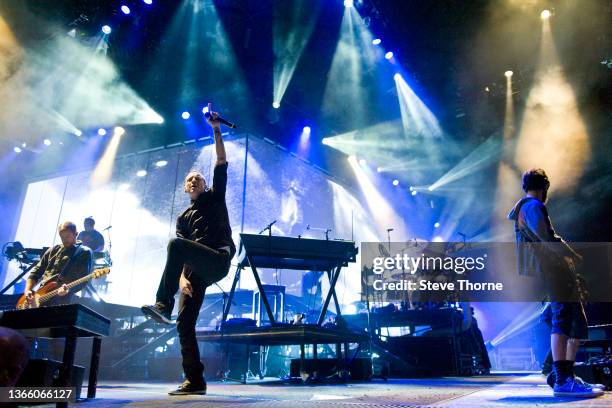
{"x": 206, "y": 266}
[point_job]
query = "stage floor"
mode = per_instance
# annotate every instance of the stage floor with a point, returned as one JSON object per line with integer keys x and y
{"x": 501, "y": 390}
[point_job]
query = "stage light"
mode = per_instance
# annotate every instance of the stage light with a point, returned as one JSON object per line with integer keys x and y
{"x": 205, "y": 110}
{"x": 161, "y": 163}
{"x": 508, "y": 74}
{"x": 148, "y": 2}
{"x": 414, "y": 192}
{"x": 437, "y": 225}
{"x": 17, "y": 149}
{"x": 185, "y": 115}
{"x": 325, "y": 141}
{"x": 396, "y": 182}
{"x": 106, "y": 29}
{"x": 47, "y": 142}
{"x": 306, "y": 130}
{"x": 379, "y": 169}
{"x": 389, "y": 55}
{"x": 348, "y": 3}
{"x": 545, "y": 14}
{"x": 362, "y": 162}
{"x": 438, "y": 239}
{"x": 276, "y": 105}
{"x": 125, "y": 9}
{"x": 119, "y": 131}
{"x": 376, "y": 41}
{"x": 78, "y": 132}
{"x": 24, "y": 145}
{"x": 411, "y": 188}
{"x": 101, "y": 132}
{"x": 141, "y": 173}
{"x": 397, "y": 76}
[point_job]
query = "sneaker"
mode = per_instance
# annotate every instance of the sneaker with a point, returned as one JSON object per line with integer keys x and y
{"x": 189, "y": 388}
{"x": 576, "y": 389}
{"x": 586, "y": 384}
{"x": 158, "y": 312}
{"x": 550, "y": 380}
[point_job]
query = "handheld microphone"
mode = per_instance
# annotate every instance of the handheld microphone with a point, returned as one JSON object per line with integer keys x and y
{"x": 222, "y": 121}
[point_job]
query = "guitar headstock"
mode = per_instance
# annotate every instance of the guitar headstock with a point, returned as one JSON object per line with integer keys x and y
{"x": 100, "y": 272}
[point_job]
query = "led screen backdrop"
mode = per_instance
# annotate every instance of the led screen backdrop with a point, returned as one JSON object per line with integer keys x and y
{"x": 142, "y": 212}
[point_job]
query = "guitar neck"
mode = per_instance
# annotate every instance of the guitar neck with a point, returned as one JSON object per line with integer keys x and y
{"x": 70, "y": 285}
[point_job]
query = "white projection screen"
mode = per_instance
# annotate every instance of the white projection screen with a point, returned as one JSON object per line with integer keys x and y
{"x": 142, "y": 212}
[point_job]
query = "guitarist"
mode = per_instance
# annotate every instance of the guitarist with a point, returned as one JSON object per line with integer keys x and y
{"x": 538, "y": 244}
{"x": 63, "y": 264}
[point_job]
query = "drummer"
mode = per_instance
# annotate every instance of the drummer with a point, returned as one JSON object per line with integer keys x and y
{"x": 90, "y": 236}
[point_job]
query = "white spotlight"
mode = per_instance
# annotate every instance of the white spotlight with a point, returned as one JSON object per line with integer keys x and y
{"x": 78, "y": 132}
{"x": 397, "y": 76}
{"x": 545, "y": 14}
{"x": 119, "y": 131}
{"x": 438, "y": 239}
{"x": 508, "y": 74}
{"x": 24, "y": 145}
{"x": 141, "y": 173}
{"x": 379, "y": 169}
{"x": 106, "y": 29}
{"x": 396, "y": 182}
{"x": 376, "y": 41}
{"x": 276, "y": 105}
{"x": 125, "y": 9}
{"x": 348, "y": 3}
{"x": 17, "y": 149}
{"x": 414, "y": 192}
{"x": 148, "y": 1}
{"x": 306, "y": 130}
{"x": 101, "y": 132}
{"x": 47, "y": 142}
{"x": 389, "y": 55}
{"x": 185, "y": 115}
{"x": 161, "y": 163}
{"x": 437, "y": 225}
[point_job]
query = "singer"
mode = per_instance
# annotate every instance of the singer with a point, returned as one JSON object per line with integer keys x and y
{"x": 198, "y": 257}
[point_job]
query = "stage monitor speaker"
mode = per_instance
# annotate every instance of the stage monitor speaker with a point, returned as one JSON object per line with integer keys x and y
{"x": 360, "y": 369}
{"x": 597, "y": 371}
{"x": 45, "y": 373}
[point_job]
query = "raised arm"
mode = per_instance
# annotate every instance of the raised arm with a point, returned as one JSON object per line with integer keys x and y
{"x": 216, "y": 125}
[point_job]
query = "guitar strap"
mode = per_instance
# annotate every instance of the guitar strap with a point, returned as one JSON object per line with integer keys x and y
{"x": 77, "y": 252}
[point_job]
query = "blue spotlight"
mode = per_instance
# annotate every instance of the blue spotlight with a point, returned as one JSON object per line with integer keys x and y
{"x": 125, "y": 9}
{"x": 47, "y": 142}
{"x": 437, "y": 225}
{"x": 185, "y": 115}
{"x": 101, "y": 132}
{"x": 106, "y": 29}
{"x": 17, "y": 149}
{"x": 396, "y": 182}
{"x": 306, "y": 130}
{"x": 348, "y": 3}
{"x": 389, "y": 55}
{"x": 376, "y": 41}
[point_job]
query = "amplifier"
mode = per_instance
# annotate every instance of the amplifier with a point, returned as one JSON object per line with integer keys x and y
{"x": 45, "y": 373}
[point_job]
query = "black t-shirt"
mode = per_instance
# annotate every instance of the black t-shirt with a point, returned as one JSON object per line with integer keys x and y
{"x": 206, "y": 221}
